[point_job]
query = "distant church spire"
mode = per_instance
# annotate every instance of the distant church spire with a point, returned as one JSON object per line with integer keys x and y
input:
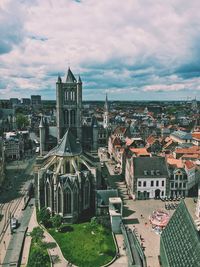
{"x": 105, "y": 116}
{"x": 106, "y": 104}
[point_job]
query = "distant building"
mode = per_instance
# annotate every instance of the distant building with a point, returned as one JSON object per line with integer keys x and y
{"x": 181, "y": 137}
{"x": 146, "y": 177}
{"x": 36, "y": 100}
{"x": 14, "y": 102}
{"x": 180, "y": 241}
{"x": 14, "y": 146}
{"x": 25, "y": 101}
{"x": 2, "y": 162}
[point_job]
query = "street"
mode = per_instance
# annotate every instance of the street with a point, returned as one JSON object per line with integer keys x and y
{"x": 18, "y": 177}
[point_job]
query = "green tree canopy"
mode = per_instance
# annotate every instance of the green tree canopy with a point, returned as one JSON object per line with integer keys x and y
{"x": 21, "y": 121}
{"x": 44, "y": 216}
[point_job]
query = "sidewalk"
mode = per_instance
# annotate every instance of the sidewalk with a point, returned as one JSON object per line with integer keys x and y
{"x": 54, "y": 252}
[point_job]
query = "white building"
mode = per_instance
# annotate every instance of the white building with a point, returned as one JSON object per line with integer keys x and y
{"x": 146, "y": 177}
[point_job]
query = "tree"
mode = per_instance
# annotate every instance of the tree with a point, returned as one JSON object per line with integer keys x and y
{"x": 44, "y": 216}
{"x": 37, "y": 234}
{"x": 38, "y": 257}
{"x": 21, "y": 121}
{"x": 56, "y": 221}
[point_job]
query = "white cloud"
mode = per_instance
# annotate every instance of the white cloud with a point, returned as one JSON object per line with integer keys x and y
{"x": 156, "y": 34}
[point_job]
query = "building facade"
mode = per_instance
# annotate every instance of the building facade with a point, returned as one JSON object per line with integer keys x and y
{"x": 146, "y": 177}
{"x": 66, "y": 180}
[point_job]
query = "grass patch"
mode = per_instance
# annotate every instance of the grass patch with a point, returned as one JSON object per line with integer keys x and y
{"x": 86, "y": 244}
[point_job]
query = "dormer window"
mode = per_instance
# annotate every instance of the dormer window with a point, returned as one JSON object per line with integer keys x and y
{"x": 145, "y": 172}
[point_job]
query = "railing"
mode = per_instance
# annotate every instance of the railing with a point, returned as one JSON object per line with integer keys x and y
{"x": 134, "y": 251}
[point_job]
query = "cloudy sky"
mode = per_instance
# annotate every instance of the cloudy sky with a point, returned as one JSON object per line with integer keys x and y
{"x": 133, "y": 49}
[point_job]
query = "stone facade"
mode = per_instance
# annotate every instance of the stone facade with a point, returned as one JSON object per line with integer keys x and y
{"x": 69, "y": 105}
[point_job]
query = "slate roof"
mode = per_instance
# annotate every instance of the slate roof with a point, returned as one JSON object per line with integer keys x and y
{"x": 69, "y": 146}
{"x": 70, "y": 77}
{"x": 104, "y": 195}
{"x": 182, "y": 135}
{"x": 149, "y": 167}
{"x": 180, "y": 241}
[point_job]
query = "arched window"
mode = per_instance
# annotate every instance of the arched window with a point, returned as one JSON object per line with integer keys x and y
{"x": 59, "y": 200}
{"x": 86, "y": 193}
{"x": 67, "y": 201}
{"x": 72, "y": 117}
{"x": 48, "y": 195}
{"x": 75, "y": 199}
{"x": 66, "y": 96}
{"x": 66, "y": 117}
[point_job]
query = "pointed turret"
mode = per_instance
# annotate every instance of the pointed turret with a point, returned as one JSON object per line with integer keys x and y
{"x": 42, "y": 135}
{"x": 59, "y": 79}
{"x": 70, "y": 77}
{"x": 79, "y": 79}
{"x": 41, "y": 122}
{"x": 105, "y": 116}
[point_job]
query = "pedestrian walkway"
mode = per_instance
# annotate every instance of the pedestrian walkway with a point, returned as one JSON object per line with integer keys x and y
{"x": 54, "y": 252}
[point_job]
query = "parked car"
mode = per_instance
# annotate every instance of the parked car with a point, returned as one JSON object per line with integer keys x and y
{"x": 14, "y": 223}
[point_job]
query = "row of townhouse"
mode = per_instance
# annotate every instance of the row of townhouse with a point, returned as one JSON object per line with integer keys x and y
{"x": 156, "y": 167}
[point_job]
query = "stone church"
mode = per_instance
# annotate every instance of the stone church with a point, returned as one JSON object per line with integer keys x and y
{"x": 66, "y": 178}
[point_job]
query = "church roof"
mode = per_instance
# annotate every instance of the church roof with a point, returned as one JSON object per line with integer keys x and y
{"x": 180, "y": 241}
{"x": 69, "y": 145}
{"x": 70, "y": 77}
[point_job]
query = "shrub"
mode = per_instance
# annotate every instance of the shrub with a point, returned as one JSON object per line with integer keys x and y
{"x": 56, "y": 221}
{"x": 37, "y": 234}
{"x": 44, "y": 217}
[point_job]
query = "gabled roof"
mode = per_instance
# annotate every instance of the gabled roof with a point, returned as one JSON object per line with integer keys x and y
{"x": 196, "y": 135}
{"x": 70, "y": 77}
{"x": 149, "y": 167}
{"x": 180, "y": 242}
{"x": 189, "y": 164}
{"x": 69, "y": 145}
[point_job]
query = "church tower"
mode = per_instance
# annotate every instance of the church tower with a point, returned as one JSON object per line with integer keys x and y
{"x": 105, "y": 115}
{"x": 69, "y": 105}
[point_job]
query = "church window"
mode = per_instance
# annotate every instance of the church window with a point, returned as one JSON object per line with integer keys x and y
{"x": 66, "y": 117}
{"x": 86, "y": 193}
{"x": 73, "y": 117}
{"x": 59, "y": 200}
{"x": 67, "y": 166}
{"x": 75, "y": 199}
{"x": 67, "y": 201}
{"x": 48, "y": 195}
{"x": 66, "y": 96}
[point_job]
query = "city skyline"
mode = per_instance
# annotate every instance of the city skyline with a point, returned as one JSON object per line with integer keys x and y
{"x": 144, "y": 50}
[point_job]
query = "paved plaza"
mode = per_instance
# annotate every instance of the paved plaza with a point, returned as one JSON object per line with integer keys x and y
{"x": 136, "y": 216}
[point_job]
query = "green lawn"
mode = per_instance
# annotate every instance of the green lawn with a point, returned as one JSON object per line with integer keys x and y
{"x": 86, "y": 244}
